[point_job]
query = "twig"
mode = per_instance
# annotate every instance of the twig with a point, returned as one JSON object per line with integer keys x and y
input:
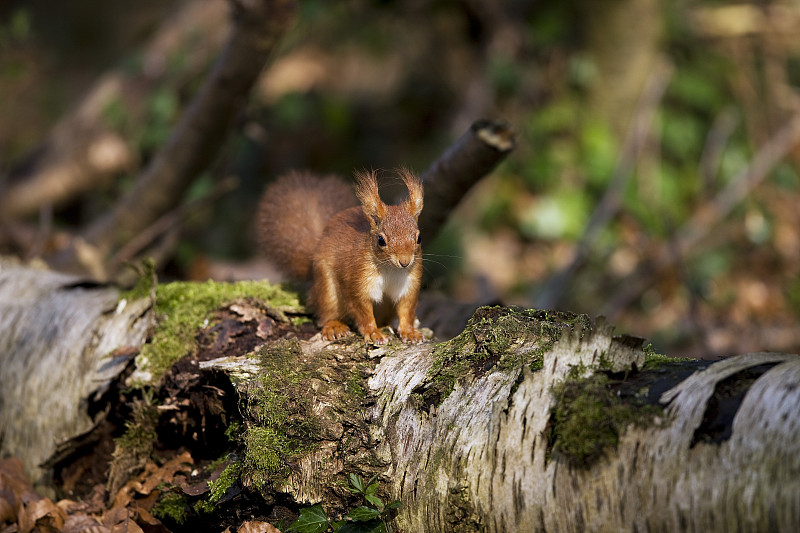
{"x": 83, "y": 151}
{"x": 470, "y": 158}
{"x": 611, "y": 201}
{"x": 716, "y": 141}
{"x": 699, "y": 225}
{"x": 167, "y": 222}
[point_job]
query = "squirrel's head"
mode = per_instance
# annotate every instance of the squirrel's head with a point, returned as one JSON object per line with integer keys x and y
{"x": 393, "y": 228}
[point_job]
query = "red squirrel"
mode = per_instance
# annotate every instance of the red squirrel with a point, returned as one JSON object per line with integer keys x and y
{"x": 363, "y": 261}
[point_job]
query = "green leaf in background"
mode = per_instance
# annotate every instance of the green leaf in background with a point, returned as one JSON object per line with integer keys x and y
{"x": 358, "y": 484}
{"x": 363, "y": 514}
{"x": 312, "y": 520}
{"x": 599, "y": 153}
{"x": 557, "y": 216}
{"x": 391, "y": 506}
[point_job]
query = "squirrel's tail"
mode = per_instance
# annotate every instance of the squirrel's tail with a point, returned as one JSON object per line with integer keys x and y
{"x": 292, "y": 214}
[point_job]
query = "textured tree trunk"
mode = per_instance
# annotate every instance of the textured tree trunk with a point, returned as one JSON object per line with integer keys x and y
{"x": 483, "y": 460}
{"x": 526, "y": 421}
{"x": 623, "y": 41}
{"x": 486, "y": 433}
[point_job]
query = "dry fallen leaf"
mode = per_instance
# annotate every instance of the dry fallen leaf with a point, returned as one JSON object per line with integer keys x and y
{"x": 82, "y": 523}
{"x": 256, "y": 526}
{"x": 41, "y": 514}
{"x": 156, "y": 476}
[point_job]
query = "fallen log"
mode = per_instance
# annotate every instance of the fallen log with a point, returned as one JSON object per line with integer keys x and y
{"x": 63, "y": 340}
{"x": 527, "y": 421}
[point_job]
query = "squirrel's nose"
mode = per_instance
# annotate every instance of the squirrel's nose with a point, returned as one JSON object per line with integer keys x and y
{"x": 403, "y": 264}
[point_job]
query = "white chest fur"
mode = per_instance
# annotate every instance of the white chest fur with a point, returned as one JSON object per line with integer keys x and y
{"x": 390, "y": 281}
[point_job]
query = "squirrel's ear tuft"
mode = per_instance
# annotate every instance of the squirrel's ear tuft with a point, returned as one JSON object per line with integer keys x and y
{"x": 367, "y": 192}
{"x": 414, "y": 202}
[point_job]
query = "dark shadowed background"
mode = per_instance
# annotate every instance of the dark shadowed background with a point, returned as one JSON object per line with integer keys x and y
{"x": 655, "y": 178}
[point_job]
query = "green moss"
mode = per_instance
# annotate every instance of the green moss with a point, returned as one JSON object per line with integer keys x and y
{"x": 300, "y": 320}
{"x": 227, "y": 478}
{"x": 146, "y": 281}
{"x": 653, "y": 360}
{"x": 171, "y": 505}
{"x": 184, "y": 307}
{"x": 140, "y": 430}
{"x": 135, "y": 446}
{"x": 233, "y": 431}
{"x": 589, "y": 416}
{"x": 278, "y": 410}
{"x": 278, "y": 427}
{"x": 355, "y": 387}
{"x": 266, "y": 452}
{"x": 490, "y": 341}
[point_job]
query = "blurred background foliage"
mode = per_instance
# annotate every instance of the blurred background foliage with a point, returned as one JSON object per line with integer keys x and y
{"x": 383, "y": 83}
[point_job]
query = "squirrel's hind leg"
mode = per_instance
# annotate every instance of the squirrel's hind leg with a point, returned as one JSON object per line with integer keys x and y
{"x": 325, "y": 299}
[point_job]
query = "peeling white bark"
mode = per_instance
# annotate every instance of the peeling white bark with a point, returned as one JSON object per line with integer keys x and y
{"x": 478, "y": 463}
{"x": 56, "y": 343}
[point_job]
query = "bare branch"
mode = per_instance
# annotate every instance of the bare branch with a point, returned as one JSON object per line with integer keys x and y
{"x": 83, "y": 151}
{"x": 201, "y": 131}
{"x": 165, "y": 223}
{"x": 470, "y": 158}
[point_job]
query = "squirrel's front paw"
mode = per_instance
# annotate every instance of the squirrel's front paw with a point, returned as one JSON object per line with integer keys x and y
{"x": 410, "y": 335}
{"x": 374, "y": 336}
{"x": 333, "y": 330}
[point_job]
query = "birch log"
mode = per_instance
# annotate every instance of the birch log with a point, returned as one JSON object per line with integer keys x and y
{"x": 62, "y": 341}
{"x": 462, "y": 432}
{"x": 480, "y": 461}
{"x": 467, "y": 433}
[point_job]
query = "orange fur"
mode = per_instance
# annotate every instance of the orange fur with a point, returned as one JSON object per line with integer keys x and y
{"x": 365, "y": 256}
{"x": 292, "y": 215}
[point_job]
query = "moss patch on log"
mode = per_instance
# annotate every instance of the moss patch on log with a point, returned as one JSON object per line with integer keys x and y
{"x": 280, "y": 422}
{"x": 278, "y": 425}
{"x": 502, "y": 338}
{"x": 182, "y": 308}
{"x": 300, "y": 412}
{"x": 654, "y": 360}
{"x": 171, "y": 506}
{"x": 133, "y": 448}
{"x": 217, "y": 488}
{"x": 591, "y": 413}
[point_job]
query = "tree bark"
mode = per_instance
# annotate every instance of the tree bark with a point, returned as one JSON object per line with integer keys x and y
{"x": 63, "y": 339}
{"x": 526, "y": 421}
{"x": 482, "y": 461}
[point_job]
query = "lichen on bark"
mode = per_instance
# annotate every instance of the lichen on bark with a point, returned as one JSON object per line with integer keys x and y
{"x": 494, "y": 337}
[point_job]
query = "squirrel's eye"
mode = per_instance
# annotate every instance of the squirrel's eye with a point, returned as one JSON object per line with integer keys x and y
{"x": 419, "y": 238}
{"x": 381, "y": 241}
